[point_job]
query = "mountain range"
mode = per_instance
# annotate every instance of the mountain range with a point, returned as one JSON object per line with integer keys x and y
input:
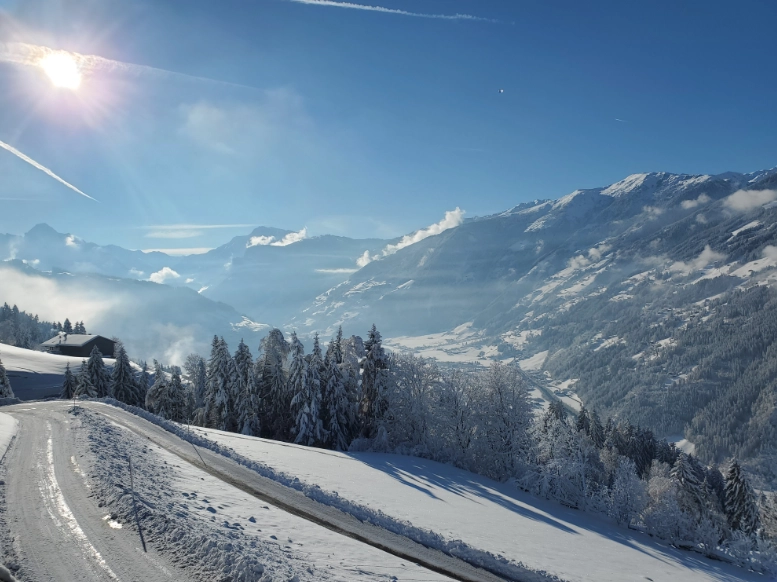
{"x": 651, "y": 299}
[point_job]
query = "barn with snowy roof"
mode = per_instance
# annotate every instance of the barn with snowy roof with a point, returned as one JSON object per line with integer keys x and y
{"x": 78, "y": 345}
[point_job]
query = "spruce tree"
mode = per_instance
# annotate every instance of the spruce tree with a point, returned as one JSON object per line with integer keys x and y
{"x": 5, "y": 383}
{"x": 143, "y": 383}
{"x": 685, "y": 475}
{"x": 247, "y": 401}
{"x": 302, "y": 429}
{"x": 98, "y": 376}
{"x": 157, "y": 397}
{"x": 374, "y": 383}
{"x": 67, "y": 327}
{"x": 69, "y": 384}
{"x": 84, "y": 386}
{"x": 125, "y": 388}
{"x": 221, "y": 379}
{"x": 175, "y": 405}
{"x": 740, "y": 502}
{"x": 336, "y": 405}
{"x": 275, "y": 399}
{"x": 597, "y": 430}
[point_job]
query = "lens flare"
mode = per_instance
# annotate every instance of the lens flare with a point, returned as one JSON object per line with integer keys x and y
{"x": 62, "y": 69}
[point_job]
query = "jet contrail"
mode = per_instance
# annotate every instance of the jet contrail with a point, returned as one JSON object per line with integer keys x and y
{"x": 32, "y": 162}
{"x": 354, "y": 6}
{"x": 22, "y": 53}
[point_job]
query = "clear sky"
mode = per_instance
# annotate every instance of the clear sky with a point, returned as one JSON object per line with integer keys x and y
{"x": 294, "y": 113}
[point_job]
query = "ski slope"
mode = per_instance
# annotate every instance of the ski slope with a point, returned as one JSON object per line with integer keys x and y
{"x": 484, "y": 514}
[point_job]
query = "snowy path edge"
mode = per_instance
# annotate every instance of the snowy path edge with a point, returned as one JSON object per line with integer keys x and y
{"x": 8, "y": 428}
{"x": 497, "y": 565}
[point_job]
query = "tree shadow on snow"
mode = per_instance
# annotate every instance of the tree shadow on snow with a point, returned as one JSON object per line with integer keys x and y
{"x": 422, "y": 477}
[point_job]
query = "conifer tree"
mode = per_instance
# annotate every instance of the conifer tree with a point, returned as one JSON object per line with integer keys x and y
{"x": 175, "y": 405}
{"x": 157, "y": 397}
{"x": 84, "y": 386}
{"x": 125, "y": 388}
{"x": 69, "y": 384}
{"x": 247, "y": 400}
{"x": 98, "y": 375}
{"x": 740, "y": 502}
{"x": 221, "y": 379}
{"x": 143, "y": 383}
{"x": 5, "y": 383}
{"x": 684, "y": 474}
{"x": 300, "y": 388}
{"x": 374, "y": 383}
{"x": 275, "y": 400}
{"x": 335, "y": 404}
{"x": 597, "y": 430}
{"x": 67, "y": 327}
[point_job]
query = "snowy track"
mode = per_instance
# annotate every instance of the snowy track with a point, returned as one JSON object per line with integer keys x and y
{"x": 59, "y": 532}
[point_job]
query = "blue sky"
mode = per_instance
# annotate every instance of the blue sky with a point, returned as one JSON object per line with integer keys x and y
{"x": 367, "y": 122}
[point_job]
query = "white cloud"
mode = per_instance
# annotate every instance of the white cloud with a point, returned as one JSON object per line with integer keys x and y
{"x": 136, "y": 272}
{"x": 174, "y": 234}
{"x": 770, "y": 252}
{"x": 259, "y": 241}
{"x": 452, "y": 219}
{"x": 336, "y": 271}
{"x": 745, "y": 200}
{"x": 162, "y": 275}
{"x": 595, "y": 254}
{"x": 203, "y": 289}
{"x": 354, "y": 6}
{"x": 180, "y": 252}
{"x": 653, "y": 211}
{"x": 189, "y": 280}
{"x": 364, "y": 260}
{"x": 71, "y": 241}
{"x": 689, "y": 204}
{"x": 289, "y": 239}
{"x": 706, "y": 257}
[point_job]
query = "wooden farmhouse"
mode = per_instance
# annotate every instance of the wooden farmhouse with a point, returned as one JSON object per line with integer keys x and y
{"x": 78, "y": 345}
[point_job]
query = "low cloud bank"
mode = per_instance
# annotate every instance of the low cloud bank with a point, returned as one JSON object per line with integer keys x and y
{"x": 162, "y": 275}
{"x": 291, "y": 238}
{"x": 745, "y": 200}
{"x": 452, "y": 219}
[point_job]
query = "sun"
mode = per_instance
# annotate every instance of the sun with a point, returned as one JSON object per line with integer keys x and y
{"x": 62, "y": 69}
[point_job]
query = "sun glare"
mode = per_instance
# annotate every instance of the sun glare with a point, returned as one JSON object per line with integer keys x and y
{"x": 62, "y": 69}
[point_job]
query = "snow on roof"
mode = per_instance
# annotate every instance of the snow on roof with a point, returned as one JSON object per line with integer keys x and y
{"x": 69, "y": 339}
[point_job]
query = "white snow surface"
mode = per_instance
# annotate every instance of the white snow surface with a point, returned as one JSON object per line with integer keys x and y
{"x": 484, "y": 514}
{"x": 8, "y": 428}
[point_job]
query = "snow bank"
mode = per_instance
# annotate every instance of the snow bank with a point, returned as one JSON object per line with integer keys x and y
{"x": 499, "y": 565}
{"x": 8, "y": 427}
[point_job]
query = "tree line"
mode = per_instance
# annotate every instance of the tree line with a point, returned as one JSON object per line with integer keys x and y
{"x": 356, "y": 396}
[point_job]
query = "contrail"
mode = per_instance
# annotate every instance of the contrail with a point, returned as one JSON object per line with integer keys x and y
{"x": 354, "y": 6}
{"x": 22, "y": 53}
{"x": 32, "y": 162}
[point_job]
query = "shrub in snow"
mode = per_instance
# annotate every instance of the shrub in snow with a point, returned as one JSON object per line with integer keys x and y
{"x": 5, "y": 383}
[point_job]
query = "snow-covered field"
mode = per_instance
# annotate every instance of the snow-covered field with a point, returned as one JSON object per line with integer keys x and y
{"x": 484, "y": 514}
{"x": 35, "y": 375}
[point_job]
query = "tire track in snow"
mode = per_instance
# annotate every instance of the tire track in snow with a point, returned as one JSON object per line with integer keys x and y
{"x": 60, "y": 512}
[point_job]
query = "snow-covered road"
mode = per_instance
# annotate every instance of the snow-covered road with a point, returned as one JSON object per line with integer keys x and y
{"x": 66, "y": 499}
{"x": 58, "y": 532}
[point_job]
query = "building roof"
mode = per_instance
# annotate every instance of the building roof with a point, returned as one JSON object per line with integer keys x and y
{"x": 69, "y": 339}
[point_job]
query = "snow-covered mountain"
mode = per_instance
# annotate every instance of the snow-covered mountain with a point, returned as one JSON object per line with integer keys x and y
{"x": 651, "y": 299}
{"x": 269, "y": 274}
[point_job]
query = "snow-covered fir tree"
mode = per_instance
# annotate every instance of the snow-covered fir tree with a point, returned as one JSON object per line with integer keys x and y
{"x": 220, "y": 387}
{"x": 740, "y": 501}
{"x": 98, "y": 375}
{"x": 374, "y": 383}
{"x": 335, "y": 403}
{"x": 143, "y": 384}
{"x": 196, "y": 375}
{"x": 685, "y": 474}
{"x": 157, "y": 396}
{"x": 68, "y": 384}
{"x": 125, "y": 387}
{"x": 247, "y": 400}
{"x": 67, "y": 327}
{"x": 303, "y": 385}
{"x": 275, "y": 400}
{"x": 5, "y": 383}
{"x": 84, "y": 386}
{"x": 175, "y": 407}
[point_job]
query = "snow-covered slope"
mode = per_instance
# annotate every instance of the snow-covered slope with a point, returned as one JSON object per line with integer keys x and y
{"x": 484, "y": 514}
